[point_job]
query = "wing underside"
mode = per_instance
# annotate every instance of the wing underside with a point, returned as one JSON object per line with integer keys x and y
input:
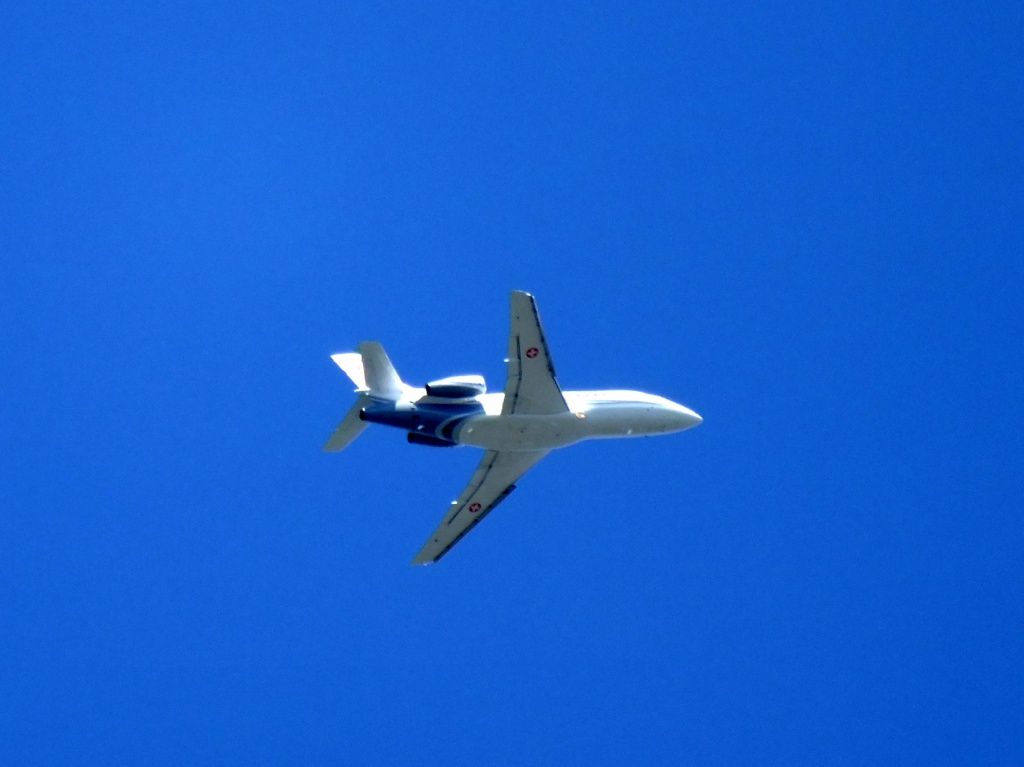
{"x": 531, "y": 387}
{"x": 491, "y": 483}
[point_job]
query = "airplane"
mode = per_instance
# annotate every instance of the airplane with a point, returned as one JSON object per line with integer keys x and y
{"x": 516, "y": 429}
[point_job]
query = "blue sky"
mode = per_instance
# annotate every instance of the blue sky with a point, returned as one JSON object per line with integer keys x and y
{"x": 804, "y": 222}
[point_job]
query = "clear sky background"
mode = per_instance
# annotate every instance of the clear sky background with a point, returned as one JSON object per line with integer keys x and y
{"x": 804, "y": 222}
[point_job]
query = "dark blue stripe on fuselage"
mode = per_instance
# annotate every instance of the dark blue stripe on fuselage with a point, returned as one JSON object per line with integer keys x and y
{"x": 433, "y": 418}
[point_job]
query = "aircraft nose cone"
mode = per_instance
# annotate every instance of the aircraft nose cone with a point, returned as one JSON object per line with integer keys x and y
{"x": 686, "y": 418}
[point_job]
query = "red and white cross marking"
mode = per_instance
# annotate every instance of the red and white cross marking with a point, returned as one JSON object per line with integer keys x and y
{"x": 474, "y": 508}
{"x": 532, "y": 352}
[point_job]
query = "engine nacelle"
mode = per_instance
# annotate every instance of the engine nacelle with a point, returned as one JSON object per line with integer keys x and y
{"x": 415, "y": 438}
{"x": 457, "y": 387}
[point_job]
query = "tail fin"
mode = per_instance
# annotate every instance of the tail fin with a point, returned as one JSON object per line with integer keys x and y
{"x": 382, "y": 380}
{"x": 349, "y": 428}
{"x": 352, "y": 364}
{"x": 371, "y": 371}
{"x": 375, "y": 378}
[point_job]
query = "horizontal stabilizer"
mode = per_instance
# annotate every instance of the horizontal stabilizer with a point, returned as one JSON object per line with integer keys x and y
{"x": 350, "y": 427}
{"x": 381, "y": 378}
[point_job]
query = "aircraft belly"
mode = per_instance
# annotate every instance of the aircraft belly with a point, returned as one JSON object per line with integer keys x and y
{"x": 625, "y": 421}
{"x": 521, "y": 432}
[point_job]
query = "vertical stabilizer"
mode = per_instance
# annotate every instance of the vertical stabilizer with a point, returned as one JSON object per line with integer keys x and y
{"x": 352, "y": 364}
{"x": 381, "y": 378}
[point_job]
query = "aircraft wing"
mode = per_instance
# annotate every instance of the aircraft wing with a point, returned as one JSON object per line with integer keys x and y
{"x": 531, "y": 387}
{"x": 491, "y": 483}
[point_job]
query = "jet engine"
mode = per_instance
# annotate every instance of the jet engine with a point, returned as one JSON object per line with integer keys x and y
{"x": 415, "y": 438}
{"x": 457, "y": 387}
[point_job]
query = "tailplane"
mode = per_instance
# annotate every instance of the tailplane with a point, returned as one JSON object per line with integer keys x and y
{"x": 371, "y": 371}
{"x": 375, "y": 379}
{"x": 350, "y": 427}
{"x": 382, "y": 380}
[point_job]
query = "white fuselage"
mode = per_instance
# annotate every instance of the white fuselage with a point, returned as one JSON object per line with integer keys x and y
{"x": 592, "y": 415}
